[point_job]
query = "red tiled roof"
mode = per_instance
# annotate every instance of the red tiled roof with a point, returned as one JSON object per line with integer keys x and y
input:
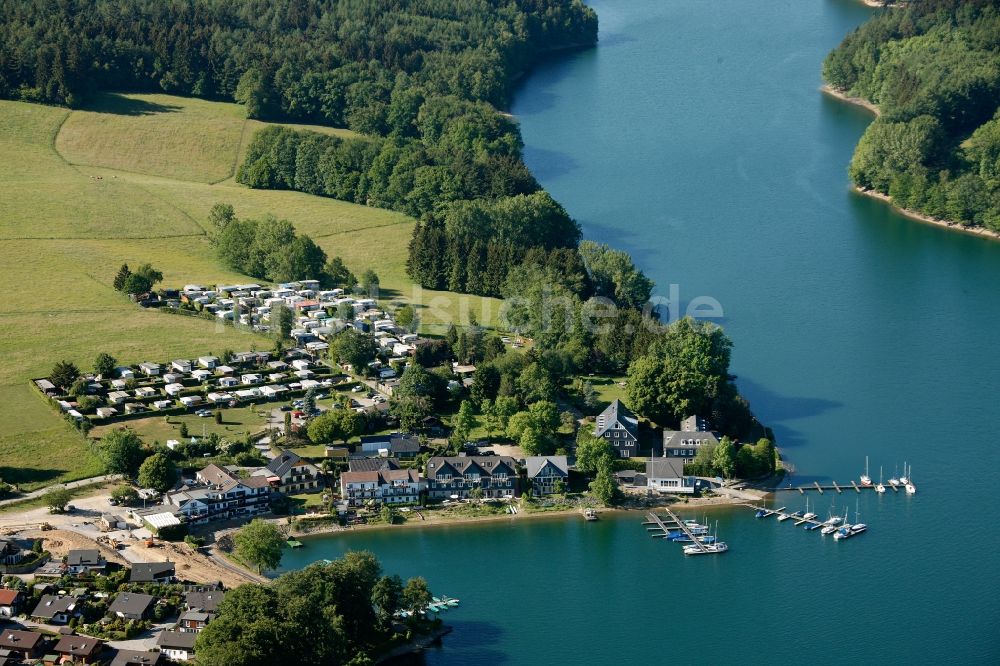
{"x": 7, "y": 597}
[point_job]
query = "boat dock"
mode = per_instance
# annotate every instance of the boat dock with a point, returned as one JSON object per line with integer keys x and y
{"x": 796, "y": 520}
{"x": 838, "y": 488}
{"x": 662, "y": 526}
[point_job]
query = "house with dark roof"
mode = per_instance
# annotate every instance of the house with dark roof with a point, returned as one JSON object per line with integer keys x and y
{"x": 177, "y": 645}
{"x": 194, "y": 620}
{"x": 137, "y": 658}
{"x": 131, "y": 605}
{"x": 291, "y": 474}
{"x": 619, "y": 427}
{"x": 458, "y": 476}
{"x": 666, "y": 475}
{"x": 11, "y": 551}
{"x": 10, "y": 602}
{"x": 371, "y": 464}
{"x": 21, "y": 645}
{"x": 544, "y": 471}
{"x": 694, "y": 435}
{"x": 204, "y": 600}
{"x": 152, "y": 572}
{"x": 386, "y": 486}
{"x": 397, "y": 445}
{"x": 85, "y": 561}
{"x": 79, "y": 649}
{"x": 55, "y": 608}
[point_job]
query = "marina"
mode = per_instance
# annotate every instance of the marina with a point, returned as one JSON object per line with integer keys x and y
{"x": 696, "y": 538}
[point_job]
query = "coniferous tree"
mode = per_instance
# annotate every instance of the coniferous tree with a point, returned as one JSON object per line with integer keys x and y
{"x": 121, "y": 277}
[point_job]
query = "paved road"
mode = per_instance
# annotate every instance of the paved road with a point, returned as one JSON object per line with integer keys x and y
{"x": 70, "y": 485}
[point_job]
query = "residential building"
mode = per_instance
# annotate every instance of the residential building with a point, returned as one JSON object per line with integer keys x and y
{"x": 131, "y": 605}
{"x": 150, "y": 369}
{"x": 79, "y": 649}
{"x": 55, "y": 608}
{"x": 207, "y": 601}
{"x": 224, "y": 495}
{"x": 85, "y": 561}
{"x": 194, "y": 620}
{"x": 686, "y": 442}
{"x": 544, "y": 471}
{"x": 404, "y": 447}
{"x": 290, "y": 473}
{"x": 11, "y": 551}
{"x": 495, "y": 476}
{"x": 21, "y": 645}
{"x": 152, "y": 572}
{"x": 666, "y": 475}
{"x": 137, "y": 658}
{"x": 388, "y": 486}
{"x": 10, "y": 602}
{"x": 177, "y": 645}
{"x": 371, "y": 464}
{"x": 620, "y": 428}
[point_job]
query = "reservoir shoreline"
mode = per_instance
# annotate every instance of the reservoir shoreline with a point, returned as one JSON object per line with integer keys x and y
{"x": 982, "y": 232}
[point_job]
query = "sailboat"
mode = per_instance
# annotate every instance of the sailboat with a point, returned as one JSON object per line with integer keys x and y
{"x": 832, "y": 525}
{"x": 903, "y": 480}
{"x": 858, "y": 527}
{"x": 808, "y": 515}
{"x": 880, "y": 488}
{"x": 713, "y": 548}
{"x": 910, "y": 488}
{"x": 865, "y": 479}
{"x": 894, "y": 482}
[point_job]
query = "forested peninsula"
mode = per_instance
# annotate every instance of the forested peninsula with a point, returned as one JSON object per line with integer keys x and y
{"x": 932, "y": 68}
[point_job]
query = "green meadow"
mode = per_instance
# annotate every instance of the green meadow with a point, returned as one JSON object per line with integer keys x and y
{"x": 132, "y": 179}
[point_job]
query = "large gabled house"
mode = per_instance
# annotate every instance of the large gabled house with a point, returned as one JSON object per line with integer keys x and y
{"x": 137, "y": 658}
{"x": 224, "y": 495}
{"x": 131, "y": 605}
{"x": 384, "y": 486}
{"x": 291, "y": 474}
{"x": 177, "y": 645}
{"x": 495, "y": 476}
{"x": 85, "y": 560}
{"x": 55, "y": 609}
{"x": 10, "y": 602}
{"x": 686, "y": 442}
{"x": 78, "y": 649}
{"x": 619, "y": 427}
{"x": 20, "y": 645}
{"x": 666, "y": 475}
{"x": 544, "y": 471}
{"x": 152, "y": 572}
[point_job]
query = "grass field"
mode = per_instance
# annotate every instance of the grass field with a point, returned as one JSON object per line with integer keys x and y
{"x": 235, "y": 423}
{"x": 130, "y": 181}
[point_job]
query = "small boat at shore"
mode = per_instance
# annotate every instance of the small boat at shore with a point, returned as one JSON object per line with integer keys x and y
{"x": 589, "y": 515}
{"x": 760, "y": 514}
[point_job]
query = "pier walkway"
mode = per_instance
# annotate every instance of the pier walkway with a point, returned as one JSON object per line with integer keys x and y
{"x": 671, "y": 523}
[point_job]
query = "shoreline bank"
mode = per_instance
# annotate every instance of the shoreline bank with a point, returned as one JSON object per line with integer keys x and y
{"x": 827, "y": 89}
{"x": 982, "y": 232}
{"x": 693, "y": 504}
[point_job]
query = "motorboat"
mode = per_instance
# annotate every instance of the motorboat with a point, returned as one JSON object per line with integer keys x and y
{"x": 710, "y": 549}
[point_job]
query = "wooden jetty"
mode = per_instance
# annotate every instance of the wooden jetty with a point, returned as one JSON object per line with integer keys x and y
{"x": 797, "y": 520}
{"x": 671, "y": 523}
{"x": 817, "y": 486}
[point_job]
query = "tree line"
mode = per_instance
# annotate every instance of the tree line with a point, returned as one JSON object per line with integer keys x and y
{"x": 337, "y": 613}
{"x": 360, "y": 64}
{"x": 933, "y": 69}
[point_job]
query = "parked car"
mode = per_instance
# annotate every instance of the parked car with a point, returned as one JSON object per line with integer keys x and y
{"x": 285, "y": 408}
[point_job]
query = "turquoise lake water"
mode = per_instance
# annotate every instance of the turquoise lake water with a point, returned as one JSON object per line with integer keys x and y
{"x": 695, "y": 137}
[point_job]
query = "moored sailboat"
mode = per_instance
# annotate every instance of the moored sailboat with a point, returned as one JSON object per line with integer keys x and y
{"x": 865, "y": 479}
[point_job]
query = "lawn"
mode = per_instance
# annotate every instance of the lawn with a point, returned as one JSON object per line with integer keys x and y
{"x": 235, "y": 423}
{"x": 126, "y": 190}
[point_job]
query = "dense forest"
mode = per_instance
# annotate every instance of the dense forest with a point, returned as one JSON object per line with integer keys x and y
{"x": 933, "y": 69}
